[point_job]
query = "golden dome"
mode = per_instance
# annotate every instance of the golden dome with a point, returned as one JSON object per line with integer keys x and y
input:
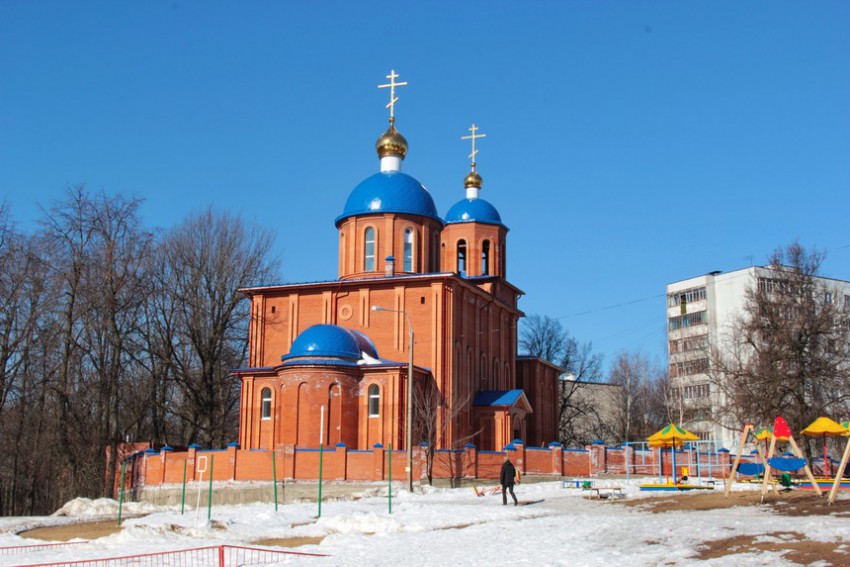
{"x": 391, "y": 143}
{"x": 472, "y": 180}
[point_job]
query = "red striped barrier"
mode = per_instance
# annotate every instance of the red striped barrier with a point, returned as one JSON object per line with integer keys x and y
{"x": 212, "y": 556}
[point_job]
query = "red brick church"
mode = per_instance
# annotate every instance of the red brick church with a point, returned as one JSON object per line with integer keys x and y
{"x": 329, "y": 360}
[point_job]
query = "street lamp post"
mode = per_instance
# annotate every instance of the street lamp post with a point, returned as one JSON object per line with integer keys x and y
{"x": 410, "y": 389}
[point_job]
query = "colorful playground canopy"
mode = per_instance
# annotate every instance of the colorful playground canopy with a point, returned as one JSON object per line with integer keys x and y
{"x": 765, "y": 434}
{"x": 671, "y": 436}
{"x": 825, "y": 426}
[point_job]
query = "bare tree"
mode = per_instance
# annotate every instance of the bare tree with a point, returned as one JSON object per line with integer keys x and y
{"x": 789, "y": 353}
{"x": 639, "y": 404}
{"x": 433, "y": 415}
{"x": 97, "y": 253}
{"x": 545, "y": 338}
{"x": 207, "y": 259}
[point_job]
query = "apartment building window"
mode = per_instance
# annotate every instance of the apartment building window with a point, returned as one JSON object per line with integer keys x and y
{"x": 686, "y": 296}
{"x": 769, "y": 285}
{"x": 689, "y": 367}
{"x": 689, "y": 344}
{"x": 847, "y": 302}
{"x": 828, "y": 298}
{"x": 695, "y": 391}
{"x": 689, "y": 320}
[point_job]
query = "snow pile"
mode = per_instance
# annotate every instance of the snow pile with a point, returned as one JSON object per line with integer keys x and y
{"x": 82, "y": 507}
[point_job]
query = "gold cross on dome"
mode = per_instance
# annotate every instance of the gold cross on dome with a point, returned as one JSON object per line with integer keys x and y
{"x": 473, "y": 136}
{"x": 392, "y": 85}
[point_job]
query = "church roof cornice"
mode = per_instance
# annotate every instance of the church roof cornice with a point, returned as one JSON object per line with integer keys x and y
{"x": 358, "y": 282}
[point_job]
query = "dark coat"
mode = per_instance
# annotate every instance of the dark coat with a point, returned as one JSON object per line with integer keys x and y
{"x": 508, "y": 474}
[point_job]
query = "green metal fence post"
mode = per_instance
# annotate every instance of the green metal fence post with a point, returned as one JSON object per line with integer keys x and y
{"x": 391, "y": 478}
{"x": 183, "y": 496}
{"x": 209, "y": 505}
{"x": 274, "y": 478}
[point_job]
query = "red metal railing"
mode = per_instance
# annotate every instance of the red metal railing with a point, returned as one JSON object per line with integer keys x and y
{"x": 212, "y": 556}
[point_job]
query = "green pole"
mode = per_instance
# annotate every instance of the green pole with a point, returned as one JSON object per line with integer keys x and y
{"x": 274, "y": 478}
{"x": 391, "y": 478}
{"x": 209, "y": 504}
{"x": 121, "y": 498}
{"x": 321, "y": 458}
{"x": 183, "y": 496}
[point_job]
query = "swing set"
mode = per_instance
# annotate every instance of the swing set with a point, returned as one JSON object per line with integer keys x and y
{"x": 786, "y": 463}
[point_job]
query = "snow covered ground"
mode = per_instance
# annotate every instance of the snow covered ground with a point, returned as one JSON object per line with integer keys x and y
{"x": 446, "y": 527}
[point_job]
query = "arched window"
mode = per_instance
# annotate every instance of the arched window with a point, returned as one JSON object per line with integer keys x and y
{"x": 461, "y": 258}
{"x": 485, "y": 258}
{"x": 408, "y": 250}
{"x": 374, "y": 401}
{"x": 369, "y": 250}
{"x": 266, "y": 403}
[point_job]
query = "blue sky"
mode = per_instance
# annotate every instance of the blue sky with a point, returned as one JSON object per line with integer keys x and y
{"x": 629, "y": 144}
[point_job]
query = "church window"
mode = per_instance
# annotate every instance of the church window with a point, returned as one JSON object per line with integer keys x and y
{"x": 461, "y": 258}
{"x": 408, "y": 250}
{"x": 485, "y": 258}
{"x": 369, "y": 250}
{"x": 374, "y": 401}
{"x": 266, "y": 403}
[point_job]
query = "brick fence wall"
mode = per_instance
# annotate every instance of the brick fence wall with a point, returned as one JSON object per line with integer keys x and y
{"x": 151, "y": 468}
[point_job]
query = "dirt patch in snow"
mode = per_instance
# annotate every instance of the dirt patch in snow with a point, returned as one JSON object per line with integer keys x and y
{"x": 795, "y": 503}
{"x": 67, "y": 532}
{"x": 792, "y": 545}
{"x": 289, "y": 541}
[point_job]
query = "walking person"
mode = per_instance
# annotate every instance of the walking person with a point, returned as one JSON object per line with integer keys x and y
{"x": 506, "y": 479}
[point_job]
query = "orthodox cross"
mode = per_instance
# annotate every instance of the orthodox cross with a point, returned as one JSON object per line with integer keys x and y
{"x": 473, "y": 136}
{"x": 393, "y": 99}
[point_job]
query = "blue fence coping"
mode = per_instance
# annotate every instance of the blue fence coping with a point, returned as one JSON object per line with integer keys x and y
{"x": 491, "y": 452}
{"x": 554, "y": 444}
{"x": 537, "y": 449}
{"x": 576, "y": 451}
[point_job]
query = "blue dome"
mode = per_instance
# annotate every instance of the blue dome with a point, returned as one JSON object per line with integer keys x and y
{"x": 365, "y": 343}
{"x": 331, "y": 341}
{"x": 389, "y": 192}
{"x": 473, "y": 210}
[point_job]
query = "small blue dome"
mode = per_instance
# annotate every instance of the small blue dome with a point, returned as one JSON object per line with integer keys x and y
{"x": 473, "y": 210}
{"x": 365, "y": 343}
{"x": 389, "y": 192}
{"x": 331, "y": 341}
